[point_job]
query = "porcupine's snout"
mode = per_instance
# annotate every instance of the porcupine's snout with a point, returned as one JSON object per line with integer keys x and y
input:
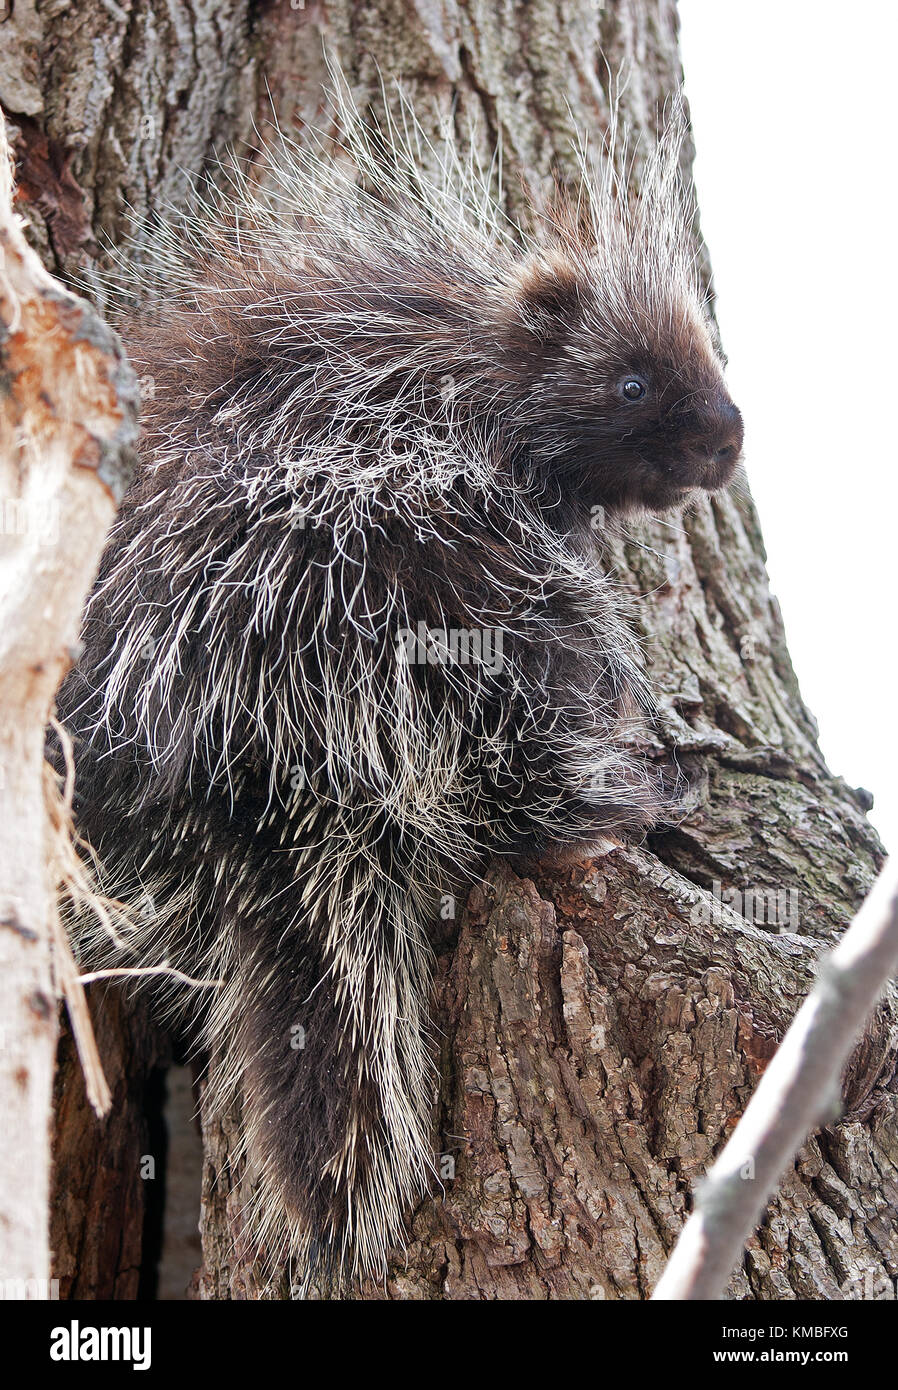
{"x": 712, "y": 448}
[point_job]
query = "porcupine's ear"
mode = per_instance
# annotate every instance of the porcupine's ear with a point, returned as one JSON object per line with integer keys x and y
{"x": 546, "y": 291}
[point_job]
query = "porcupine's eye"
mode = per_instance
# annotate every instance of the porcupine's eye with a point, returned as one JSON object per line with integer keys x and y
{"x": 632, "y": 388}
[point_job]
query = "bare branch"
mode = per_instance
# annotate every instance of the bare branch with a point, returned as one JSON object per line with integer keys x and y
{"x": 798, "y": 1092}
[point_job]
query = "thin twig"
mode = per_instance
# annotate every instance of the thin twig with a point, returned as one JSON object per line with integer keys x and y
{"x": 60, "y": 855}
{"x": 795, "y": 1096}
{"x": 72, "y": 989}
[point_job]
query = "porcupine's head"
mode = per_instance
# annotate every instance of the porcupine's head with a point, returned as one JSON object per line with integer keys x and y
{"x": 626, "y": 405}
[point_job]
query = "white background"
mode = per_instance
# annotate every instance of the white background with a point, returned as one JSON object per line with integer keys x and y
{"x": 792, "y": 107}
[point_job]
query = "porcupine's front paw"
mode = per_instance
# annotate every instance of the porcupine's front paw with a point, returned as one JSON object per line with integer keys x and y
{"x": 561, "y": 856}
{"x": 578, "y": 830}
{"x": 619, "y": 801}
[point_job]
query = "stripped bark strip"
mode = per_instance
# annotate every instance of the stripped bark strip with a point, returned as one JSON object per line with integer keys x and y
{"x": 67, "y": 426}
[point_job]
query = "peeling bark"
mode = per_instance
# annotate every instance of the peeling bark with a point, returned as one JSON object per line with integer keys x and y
{"x": 602, "y": 1026}
{"x": 67, "y": 427}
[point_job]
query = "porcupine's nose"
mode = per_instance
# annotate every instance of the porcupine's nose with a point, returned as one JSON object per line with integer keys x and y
{"x": 724, "y": 444}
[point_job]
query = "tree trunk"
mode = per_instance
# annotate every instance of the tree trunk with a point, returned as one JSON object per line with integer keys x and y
{"x": 601, "y": 1026}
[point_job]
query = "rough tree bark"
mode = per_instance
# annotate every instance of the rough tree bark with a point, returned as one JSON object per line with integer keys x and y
{"x": 601, "y": 1026}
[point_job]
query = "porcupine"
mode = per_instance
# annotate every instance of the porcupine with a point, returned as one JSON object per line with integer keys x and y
{"x": 353, "y": 630}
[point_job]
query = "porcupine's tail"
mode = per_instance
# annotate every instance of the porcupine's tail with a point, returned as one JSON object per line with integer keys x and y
{"x": 323, "y": 1024}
